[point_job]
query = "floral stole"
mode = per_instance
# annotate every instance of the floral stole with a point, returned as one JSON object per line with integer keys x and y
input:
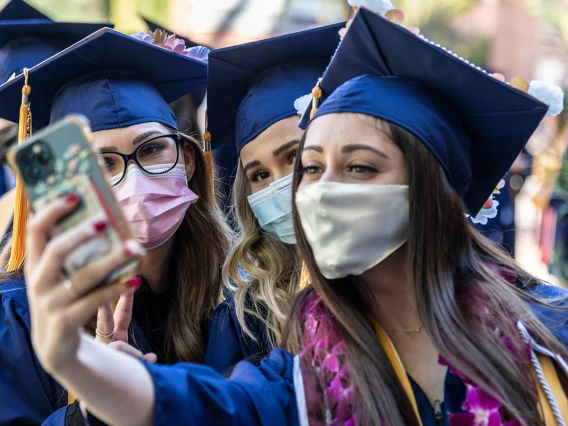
{"x": 547, "y": 369}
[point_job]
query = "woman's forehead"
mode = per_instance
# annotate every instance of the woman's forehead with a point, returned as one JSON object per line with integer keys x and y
{"x": 346, "y": 127}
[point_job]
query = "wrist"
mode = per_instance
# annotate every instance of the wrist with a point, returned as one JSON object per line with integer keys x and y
{"x": 71, "y": 365}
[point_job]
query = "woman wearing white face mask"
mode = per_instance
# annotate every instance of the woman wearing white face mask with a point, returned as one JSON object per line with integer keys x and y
{"x": 257, "y": 93}
{"x": 389, "y": 164}
{"x": 162, "y": 183}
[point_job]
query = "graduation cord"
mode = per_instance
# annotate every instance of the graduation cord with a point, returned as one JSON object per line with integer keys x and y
{"x": 541, "y": 377}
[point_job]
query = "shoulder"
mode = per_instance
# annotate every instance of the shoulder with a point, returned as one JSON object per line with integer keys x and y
{"x": 226, "y": 314}
{"x": 14, "y": 292}
{"x": 554, "y": 316}
{"x": 546, "y": 292}
{"x": 228, "y": 343}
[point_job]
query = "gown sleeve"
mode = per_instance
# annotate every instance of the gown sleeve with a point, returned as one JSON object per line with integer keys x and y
{"x": 28, "y": 394}
{"x": 189, "y": 394}
{"x": 228, "y": 344}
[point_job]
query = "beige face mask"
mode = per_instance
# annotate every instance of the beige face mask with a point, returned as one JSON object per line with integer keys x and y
{"x": 352, "y": 227}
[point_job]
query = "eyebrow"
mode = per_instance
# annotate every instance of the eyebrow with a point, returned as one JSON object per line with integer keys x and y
{"x": 137, "y": 140}
{"x": 314, "y": 148}
{"x": 285, "y": 147}
{"x": 251, "y": 165}
{"x": 351, "y": 148}
{"x": 141, "y": 138}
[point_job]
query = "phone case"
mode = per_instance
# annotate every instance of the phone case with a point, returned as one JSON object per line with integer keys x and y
{"x": 59, "y": 160}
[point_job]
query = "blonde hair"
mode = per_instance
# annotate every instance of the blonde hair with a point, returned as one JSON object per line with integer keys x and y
{"x": 272, "y": 267}
{"x": 199, "y": 248}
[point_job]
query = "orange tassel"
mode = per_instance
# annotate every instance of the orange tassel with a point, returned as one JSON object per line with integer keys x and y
{"x": 18, "y": 252}
{"x": 316, "y": 96}
{"x": 208, "y": 155}
{"x": 305, "y": 278}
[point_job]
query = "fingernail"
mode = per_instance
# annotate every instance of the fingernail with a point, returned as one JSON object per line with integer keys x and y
{"x": 135, "y": 282}
{"x": 71, "y": 198}
{"x": 133, "y": 247}
{"x": 100, "y": 226}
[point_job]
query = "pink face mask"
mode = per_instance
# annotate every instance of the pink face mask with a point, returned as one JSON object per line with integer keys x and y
{"x": 154, "y": 205}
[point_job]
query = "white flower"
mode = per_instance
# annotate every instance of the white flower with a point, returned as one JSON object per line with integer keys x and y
{"x": 377, "y": 6}
{"x": 485, "y": 214}
{"x": 550, "y": 94}
{"x": 301, "y": 104}
{"x": 201, "y": 53}
{"x": 143, "y": 37}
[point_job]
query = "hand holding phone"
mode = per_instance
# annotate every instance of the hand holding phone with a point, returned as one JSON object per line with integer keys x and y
{"x": 58, "y": 161}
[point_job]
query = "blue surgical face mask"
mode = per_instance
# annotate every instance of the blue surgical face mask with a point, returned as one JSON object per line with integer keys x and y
{"x": 272, "y": 206}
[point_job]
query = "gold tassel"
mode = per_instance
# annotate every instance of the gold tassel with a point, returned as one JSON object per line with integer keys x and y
{"x": 305, "y": 278}
{"x": 209, "y": 155}
{"x": 316, "y": 96}
{"x": 18, "y": 252}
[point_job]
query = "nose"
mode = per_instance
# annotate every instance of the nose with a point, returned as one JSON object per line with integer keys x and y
{"x": 280, "y": 174}
{"x": 330, "y": 174}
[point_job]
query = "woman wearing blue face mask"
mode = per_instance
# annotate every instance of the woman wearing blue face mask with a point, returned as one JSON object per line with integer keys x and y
{"x": 414, "y": 318}
{"x": 257, "y": 93}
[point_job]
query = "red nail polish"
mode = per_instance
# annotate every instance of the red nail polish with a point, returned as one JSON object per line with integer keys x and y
{"x": 135, "y": 282}
{"x": 71, "y": 198}
{"x": 100, "y": 226}
{"x": 126, "y": 251}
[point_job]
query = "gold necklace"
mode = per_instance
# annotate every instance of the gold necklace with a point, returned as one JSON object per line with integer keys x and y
{"x": 406, "y": 330}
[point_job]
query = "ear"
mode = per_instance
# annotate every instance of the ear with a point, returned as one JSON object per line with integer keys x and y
{"x": 188, "y": 151}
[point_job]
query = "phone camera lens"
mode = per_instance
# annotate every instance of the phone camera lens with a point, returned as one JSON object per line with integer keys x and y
{"x": 29, "y": 157}
{"x": 34, "y": 173}
{"x": 42, "y": 158}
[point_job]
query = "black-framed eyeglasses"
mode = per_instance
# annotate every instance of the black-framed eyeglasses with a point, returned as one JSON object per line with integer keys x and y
{"x": 155, "y": 156}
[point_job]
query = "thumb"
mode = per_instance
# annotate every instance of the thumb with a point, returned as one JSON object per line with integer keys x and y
{"x": 151, "y": 357}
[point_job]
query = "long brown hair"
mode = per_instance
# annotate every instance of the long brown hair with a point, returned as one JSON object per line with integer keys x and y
{"x": 272, "y": 267}
{"x": 198, "y": 252}
{"x": 463, "y": 298}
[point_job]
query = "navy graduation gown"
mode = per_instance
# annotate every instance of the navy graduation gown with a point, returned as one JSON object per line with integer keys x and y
{"x": 265, "y": 395}
{"x": 228, "y": 344}
{"x": 28, "y": 394}
{"x": 190, "y": 394}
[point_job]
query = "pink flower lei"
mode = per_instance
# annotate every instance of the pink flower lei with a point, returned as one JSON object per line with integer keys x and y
{"x": 480, "y": 408}
{"x": 330, "y": 396}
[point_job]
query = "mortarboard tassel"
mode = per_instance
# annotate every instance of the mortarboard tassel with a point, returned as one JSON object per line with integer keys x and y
{"x": 316, "y": 96}
{"x": 305, "y": 278}
{"x": 209, "y": 155}
{"x": 18, "y": 252}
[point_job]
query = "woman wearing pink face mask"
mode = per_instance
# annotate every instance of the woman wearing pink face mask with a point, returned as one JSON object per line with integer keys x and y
{"x": 161, "y": 181}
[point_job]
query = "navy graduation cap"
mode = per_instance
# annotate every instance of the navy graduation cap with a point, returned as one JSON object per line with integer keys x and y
{"x": 28, "y": 37}
{"x": 115, "y": 80}
{"x": 474, "y": 124}
{"x": 254, "y": 85}
{"x": 19, "y": 9}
